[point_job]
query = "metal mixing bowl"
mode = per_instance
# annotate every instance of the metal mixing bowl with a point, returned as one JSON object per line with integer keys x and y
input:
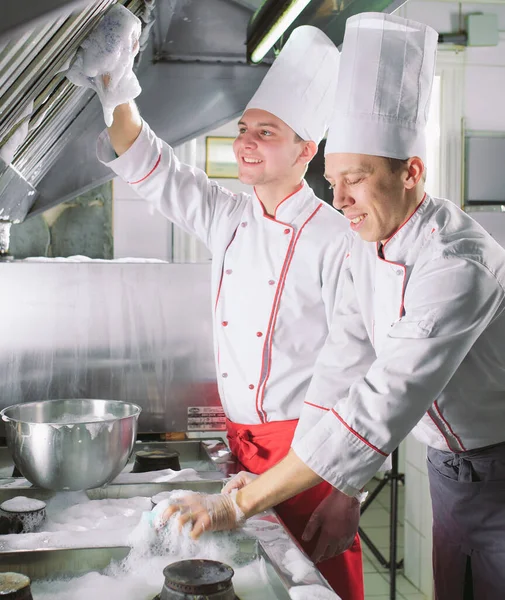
{"x": 71, "y": 444}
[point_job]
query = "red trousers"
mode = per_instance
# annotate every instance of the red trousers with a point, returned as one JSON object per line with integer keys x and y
{"x": 259, "y": 447}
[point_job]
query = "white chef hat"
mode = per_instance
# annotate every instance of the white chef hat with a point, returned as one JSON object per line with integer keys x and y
{"x": 299, "y": 87}
{"x": 384, "y": 87}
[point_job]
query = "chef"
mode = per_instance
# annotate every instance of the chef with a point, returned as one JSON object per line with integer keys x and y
{"x": 277, "y": 256}
{"x": 427, "y": 285}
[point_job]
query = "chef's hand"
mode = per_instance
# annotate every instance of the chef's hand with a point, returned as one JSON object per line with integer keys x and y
{"x": 336, "y": 519}
{"x": 206, "y": 512}
{"x": 239, "y": 481}
{"x": 106, "y": 78}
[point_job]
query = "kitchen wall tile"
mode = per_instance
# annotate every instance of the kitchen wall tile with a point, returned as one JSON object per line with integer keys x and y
{"x": 412, "y": 557}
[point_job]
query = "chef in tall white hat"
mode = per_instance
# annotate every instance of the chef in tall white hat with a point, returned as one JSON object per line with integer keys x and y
{"x": 277, "y": 257}
{"x": 425, "y": 285}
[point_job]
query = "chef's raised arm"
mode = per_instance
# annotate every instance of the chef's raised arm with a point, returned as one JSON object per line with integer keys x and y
{"x": 182, "y": 193}
{"x": 125, "y": 128}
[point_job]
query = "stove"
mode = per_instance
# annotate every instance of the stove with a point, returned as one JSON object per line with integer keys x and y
{"x": 15, "y": 586}
{"x": 156, "y": 460}
{"x": 197, "y": 578}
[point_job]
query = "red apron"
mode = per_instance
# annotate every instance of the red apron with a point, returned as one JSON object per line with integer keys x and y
{"x": 260, "y": 447}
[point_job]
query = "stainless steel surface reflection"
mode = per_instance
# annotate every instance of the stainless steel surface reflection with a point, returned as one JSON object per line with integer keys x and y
{"x": 141, "y": 333}
{"x": 71, "y": 444}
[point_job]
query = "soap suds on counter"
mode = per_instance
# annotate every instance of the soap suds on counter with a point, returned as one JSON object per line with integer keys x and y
{"x": 314, "y": 592}
{"x": 140, "y": 575}
{"x": 22, "y": 504}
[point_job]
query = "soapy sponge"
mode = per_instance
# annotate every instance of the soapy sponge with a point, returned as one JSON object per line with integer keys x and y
{"x": 109, "y": 50}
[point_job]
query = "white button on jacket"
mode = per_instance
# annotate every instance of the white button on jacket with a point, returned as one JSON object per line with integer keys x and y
{"x": 274, "y": 279}
{"x": 434, "y": 309}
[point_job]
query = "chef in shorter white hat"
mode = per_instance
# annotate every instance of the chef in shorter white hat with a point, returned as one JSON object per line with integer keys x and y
{"x": 277, "y": 257}
{"x": 425, "y": 286}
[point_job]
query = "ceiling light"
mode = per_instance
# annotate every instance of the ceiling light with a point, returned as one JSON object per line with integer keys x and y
{"x": 291, "y": 11}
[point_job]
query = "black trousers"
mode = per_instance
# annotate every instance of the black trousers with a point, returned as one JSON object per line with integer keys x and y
{"x": 468, "y": 496}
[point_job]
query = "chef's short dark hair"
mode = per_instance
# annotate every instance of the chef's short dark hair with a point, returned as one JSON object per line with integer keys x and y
{"x": 298, "y": 139}
{"x": 395, "y": 164}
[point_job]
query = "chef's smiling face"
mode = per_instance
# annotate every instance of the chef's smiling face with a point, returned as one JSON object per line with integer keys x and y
{"x": 374, "y": 197}
{"x": 268, "y": 151}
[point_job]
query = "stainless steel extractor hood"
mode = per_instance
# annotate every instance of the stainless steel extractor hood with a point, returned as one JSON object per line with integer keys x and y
{"x": 193, "y": 69}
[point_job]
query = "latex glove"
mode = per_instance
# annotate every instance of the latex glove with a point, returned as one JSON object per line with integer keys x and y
{"x": 337, "y": 520}
{"x": 238, "y": 481}
{"x": 206, "y": 512}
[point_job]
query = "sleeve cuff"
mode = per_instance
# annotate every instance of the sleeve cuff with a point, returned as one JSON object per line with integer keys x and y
{"x": 338, "y": 456}
{"x": 138, "y": 162}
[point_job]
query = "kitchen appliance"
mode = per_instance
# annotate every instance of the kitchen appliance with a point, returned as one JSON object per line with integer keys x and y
{"x": 197, "y": 578}
{"x": 14, "y": 586}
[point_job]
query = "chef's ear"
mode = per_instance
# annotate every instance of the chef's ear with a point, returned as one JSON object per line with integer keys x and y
{"x": 308, "y": 151}
{"x": 414, "y": 173}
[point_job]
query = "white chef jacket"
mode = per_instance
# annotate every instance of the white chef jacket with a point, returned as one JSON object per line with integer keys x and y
{"x": 434, "y": 310}
{"x": 274, "y": 279}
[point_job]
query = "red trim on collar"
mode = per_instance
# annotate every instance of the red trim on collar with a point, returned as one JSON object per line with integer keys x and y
{"x": 402, "y": 225}
{"x": 274, "y": 218}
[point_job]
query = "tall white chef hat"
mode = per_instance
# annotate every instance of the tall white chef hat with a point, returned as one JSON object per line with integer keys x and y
{"x": 384, "y": 87}
{"x": 299, "y": 87}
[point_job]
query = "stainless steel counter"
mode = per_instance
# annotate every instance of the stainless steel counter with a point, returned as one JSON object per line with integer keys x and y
{"x": 268, "y": 537}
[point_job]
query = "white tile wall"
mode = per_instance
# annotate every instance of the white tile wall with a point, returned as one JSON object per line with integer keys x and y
{"x": 418, "y": 518}
{"x": 139, "y": 231}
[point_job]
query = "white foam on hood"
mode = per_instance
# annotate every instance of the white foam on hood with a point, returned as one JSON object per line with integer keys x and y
{"x": 85, "y": 259}
{"x": 109, "y": 49}
{"x": 9, "y": 149}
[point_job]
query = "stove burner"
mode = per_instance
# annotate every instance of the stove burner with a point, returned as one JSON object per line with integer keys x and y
{"x": 14, "y": 586}
{"x": 21, "y": 515}
{"x": 156, "y": 460}
{"x": 196, "y": 579}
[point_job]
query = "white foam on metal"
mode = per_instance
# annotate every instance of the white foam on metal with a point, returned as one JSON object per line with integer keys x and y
{"x": 314, "y": 592}
{"x": 109, "y": 49}
{"x": 22, "y": 504}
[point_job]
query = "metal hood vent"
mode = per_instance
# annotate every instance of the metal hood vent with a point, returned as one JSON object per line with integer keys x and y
{"x": 192, "y": 69}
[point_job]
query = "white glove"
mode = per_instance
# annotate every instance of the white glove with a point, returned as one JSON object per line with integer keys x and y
{"x": 109, "y": 50}
{"x": 238, "y": 481}
{"x": 337, "y": 520}
{"x": 206, "y": 512}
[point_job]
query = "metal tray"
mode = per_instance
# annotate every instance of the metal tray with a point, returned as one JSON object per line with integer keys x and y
{"x": 48, "y": 564}
{"x": 123, "y": 490}
{"x": 268, "y": 538}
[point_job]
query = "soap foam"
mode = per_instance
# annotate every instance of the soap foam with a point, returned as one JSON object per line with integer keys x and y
{"x": 314, "y": 592}
{"x": 140, "y": 575}
{"x": 109, "y": 49}
{"x": 22, "y": 504}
